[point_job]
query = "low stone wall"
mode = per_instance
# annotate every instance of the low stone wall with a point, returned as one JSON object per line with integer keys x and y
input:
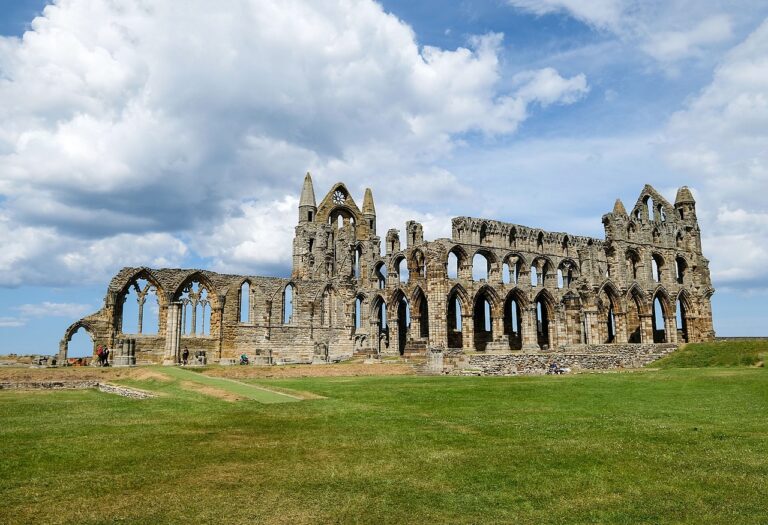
{"x": 76, "y": 385}
{"x": 579, "y": 357}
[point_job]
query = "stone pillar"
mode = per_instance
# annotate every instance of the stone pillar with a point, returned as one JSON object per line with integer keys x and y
{"x": 646, "y": 328}
{"x": 620, "y": 327}
{"x": 670, "y": 328}
{"x": 528, "y": 325}
{"x": 592, "y": 323}
{"x": 467, "y": 332}
{"x": 173, "y": 335}
{"x": 394, "y": 334}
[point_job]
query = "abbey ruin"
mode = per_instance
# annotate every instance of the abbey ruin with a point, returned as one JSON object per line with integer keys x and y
{"x": 492, "y": 289}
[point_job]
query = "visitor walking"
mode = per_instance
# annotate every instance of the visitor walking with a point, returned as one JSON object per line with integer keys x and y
{"x": 184, "y": 356}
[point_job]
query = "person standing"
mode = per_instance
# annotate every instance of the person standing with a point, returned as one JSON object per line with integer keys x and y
{"x": 100, "y": 355}
{"x": 184, "y": 356}
{"x": 106, "y": 356}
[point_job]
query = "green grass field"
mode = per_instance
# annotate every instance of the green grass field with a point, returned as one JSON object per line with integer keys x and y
{"x": 720, "y": 353}
{"x": 664, "y": 446}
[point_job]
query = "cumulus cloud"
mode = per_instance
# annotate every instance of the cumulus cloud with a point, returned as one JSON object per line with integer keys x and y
{"x": 667, "y": 30}
{"x": 720, "y": 139}
{"x": 139, "y": 133}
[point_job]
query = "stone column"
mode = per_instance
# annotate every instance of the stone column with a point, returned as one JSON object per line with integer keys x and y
{"x": 670, "y": 328}
{"x": 528, "y": 325}
{"x": 173, "y": 334}
{"x": 594, "y": 332}
{"x": 620, "y": 327}
{"x": 467, "y": 332}
{"x": 646, "y": 328}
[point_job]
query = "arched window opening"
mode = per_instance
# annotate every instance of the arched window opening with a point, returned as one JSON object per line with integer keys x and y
{"x": 358, "y": 257}
{"x": 483, "y": 323}
{"x": 357, "y": 313}
{"x": 196, "y": 310}
{"x": 483, "y": 233}
{"x": 540, "y": 241}
{"x": 383, "y": 315}
{"x": 480, "y": 267}
{"x": 403, "y": 323}
{"x": 659, "y": 322}
{"x": 656, "y": 236}
{"x": 564, "y": 245}
{"x": 560, "y": 279}
{"x": 513, "y": 237}
{"x": 80, "y": 344}
{"x": 632, "y": 262}
{"x": 656, "y": 267}
{"x": 662, "y": 214}
{"x": 513, "y": 323}
{"x": 381, "y": 276}
{"x": 649, "y": 209}
{"x": 681, "y": 322}
{"x": 245, "y": 303}
{"x": 141, "y": 308}
{"x": 679, "y": 240}
{"x": 633, "y": 320}
{"x": 505, "y": 274}
{"x": 340, "y": 222}
{"x": 542, "y": 324}
{"x": 534, "y": 277}
{"x": 311, "y": 244}
{"x": 609, "y": 320}
{"x": 680, "y": 266}
{"x": 326, "y": 308}
{"x": 288, "y": 302}
{"x": 681, "y": 213}
{"x": 423, "y": 317}
{"x": 420, "y": 264}
{"x": 402, "y": 270}
{"x": 454, "y": 314}
{"x": 453, "y": 266}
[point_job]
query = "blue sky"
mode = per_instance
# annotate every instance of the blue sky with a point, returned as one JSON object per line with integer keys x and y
{"x": 162, "y": 136}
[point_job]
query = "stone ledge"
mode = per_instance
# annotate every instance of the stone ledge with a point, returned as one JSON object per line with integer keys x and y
{"x": 132, "y": 393}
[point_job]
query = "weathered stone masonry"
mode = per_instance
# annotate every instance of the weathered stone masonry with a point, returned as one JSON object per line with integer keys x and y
{"x": 646, "y": 282}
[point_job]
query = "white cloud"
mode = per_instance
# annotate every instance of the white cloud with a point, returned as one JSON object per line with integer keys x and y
{"x": 131, "y": 130}
{"x": 667, "y": 30}
{"x": 605, "y": 14}
{"x": 721, "y": 140}
{"x": 49, "y": 309}
{"x": 668, "y": 46}
{"x": 44, "y": 309}
{"x": 546, "y": 87}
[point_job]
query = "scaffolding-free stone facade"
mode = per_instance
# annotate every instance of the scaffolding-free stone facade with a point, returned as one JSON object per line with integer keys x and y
{"x": 493, "y": 287}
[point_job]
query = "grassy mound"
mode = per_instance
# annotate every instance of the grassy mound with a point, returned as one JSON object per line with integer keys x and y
{"x": 720, "y": 353}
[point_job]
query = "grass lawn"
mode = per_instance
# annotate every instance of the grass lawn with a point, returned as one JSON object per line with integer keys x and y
{"x": 665, "y": 446}
{"x": 719, "y": 353}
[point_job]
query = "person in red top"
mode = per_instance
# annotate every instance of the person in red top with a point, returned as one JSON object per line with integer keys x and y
{"x": 100, "y": 354}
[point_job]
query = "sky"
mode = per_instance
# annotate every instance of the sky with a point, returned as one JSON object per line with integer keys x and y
{"x": 167, "y": 134}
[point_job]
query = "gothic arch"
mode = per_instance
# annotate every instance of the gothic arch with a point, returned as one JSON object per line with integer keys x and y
{"x": 70, "y": 332}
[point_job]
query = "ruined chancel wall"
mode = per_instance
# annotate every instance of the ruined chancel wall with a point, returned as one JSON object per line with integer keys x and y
{"x": 493, "y": 287}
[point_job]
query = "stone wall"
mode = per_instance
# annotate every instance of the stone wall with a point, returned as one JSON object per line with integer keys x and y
{"x": 123, "y": 391}
{"x": 582, "y": 357}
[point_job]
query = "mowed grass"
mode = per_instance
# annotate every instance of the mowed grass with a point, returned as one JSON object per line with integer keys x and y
{"x": 717, "y": 354}
{"x": 668, "y": 446}
{"x": 239, "y": 388}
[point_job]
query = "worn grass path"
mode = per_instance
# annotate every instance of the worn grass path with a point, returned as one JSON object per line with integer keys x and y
{"x": 254, "y": 392}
